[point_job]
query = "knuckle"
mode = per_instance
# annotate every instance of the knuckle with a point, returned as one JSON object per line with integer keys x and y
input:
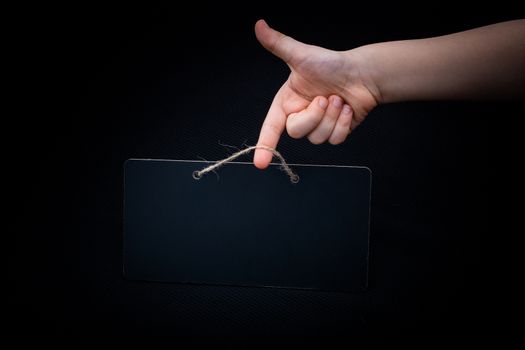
{"x": 336, "y": 141}
{"x": 315, "y": 139}
{"x": 274, "y": 129}
{"x": 293, "y": 132}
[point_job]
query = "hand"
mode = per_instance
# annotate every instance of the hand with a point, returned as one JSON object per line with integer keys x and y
{"x": 326, "y": 96}
{"x": 328, "y": 93}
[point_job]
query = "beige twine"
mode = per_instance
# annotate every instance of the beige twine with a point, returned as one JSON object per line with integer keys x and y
{"x": 294, "y": 178}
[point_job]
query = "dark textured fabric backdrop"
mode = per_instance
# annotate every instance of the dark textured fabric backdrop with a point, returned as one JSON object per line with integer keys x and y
{"x": 164, "y": 82}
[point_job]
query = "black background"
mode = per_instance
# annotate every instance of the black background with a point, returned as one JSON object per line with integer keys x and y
{"x": 114, "y": 82}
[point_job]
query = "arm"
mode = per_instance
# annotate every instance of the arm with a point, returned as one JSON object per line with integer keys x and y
{"x": 485, "y": 62}
{"x": 329, "y": 93}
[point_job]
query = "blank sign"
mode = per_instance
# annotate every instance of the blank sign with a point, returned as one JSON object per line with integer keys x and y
{"x": 247, "y": 227}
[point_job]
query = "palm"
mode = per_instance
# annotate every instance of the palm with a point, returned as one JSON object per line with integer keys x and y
{"x": 317, "y": 72}
{"x": 321, "y": 72}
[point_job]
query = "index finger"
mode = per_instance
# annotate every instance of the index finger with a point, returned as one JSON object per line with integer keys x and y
{"x": 271, "y": 132}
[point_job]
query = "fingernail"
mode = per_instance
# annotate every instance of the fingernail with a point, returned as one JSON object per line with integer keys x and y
{"x": 338, "y": 102}
{"x": 323, "y": 103}
{"x": 346, "y": 109}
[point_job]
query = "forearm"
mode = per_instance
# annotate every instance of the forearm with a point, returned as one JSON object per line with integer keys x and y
{"x": 480, "y": 63}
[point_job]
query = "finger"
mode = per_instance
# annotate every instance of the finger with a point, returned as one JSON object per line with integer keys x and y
{"x": 271, "y": 131}
{"x": 277, "y": 43}
{"x": 342, "y": 127}
{"x": 302, "y": 123}
{"x": 323, "y": 131}
{"x": 355, "y": 122}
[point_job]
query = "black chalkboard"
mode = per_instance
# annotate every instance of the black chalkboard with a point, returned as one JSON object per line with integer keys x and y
{"x": 247, "y": 227}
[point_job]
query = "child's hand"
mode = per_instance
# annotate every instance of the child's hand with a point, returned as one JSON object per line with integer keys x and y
{"x": 325, "y": 97}
{"x": 329, "y": 93}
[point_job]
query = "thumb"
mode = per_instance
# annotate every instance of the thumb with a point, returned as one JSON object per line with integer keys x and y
{"x": 277, "y": 43}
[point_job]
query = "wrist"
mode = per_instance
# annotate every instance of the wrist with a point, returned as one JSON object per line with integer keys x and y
{"x": 365, "y": 70}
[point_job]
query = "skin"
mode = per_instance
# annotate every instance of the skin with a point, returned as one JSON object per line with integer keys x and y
{"x": 329, "y": 93}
